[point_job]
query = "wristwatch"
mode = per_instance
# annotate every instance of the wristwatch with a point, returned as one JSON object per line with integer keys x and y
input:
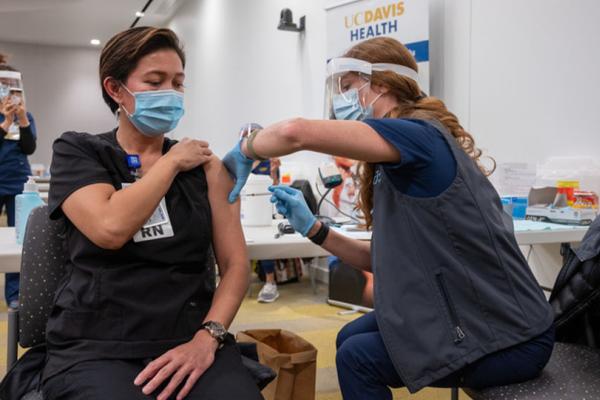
{"x": 216, "y": 330}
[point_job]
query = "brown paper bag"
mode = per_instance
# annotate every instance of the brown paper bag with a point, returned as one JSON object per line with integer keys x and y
{"x": 291, "y": 357}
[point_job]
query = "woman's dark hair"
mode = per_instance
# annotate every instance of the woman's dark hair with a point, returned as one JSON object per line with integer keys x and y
{"x": 123, "y": 51}
{"x": 3, "y": 65}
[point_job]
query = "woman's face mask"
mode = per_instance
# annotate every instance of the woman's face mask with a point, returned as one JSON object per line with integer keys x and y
{"x": 347, "y": 105}
{"x": 156, "y": 111}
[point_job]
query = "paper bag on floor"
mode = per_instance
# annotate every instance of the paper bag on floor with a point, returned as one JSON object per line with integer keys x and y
{"x": 291, "y": 357}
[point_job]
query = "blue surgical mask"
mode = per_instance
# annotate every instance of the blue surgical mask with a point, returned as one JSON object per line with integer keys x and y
{"x": 347, "y": 106}
{"x": 156, "y": 111}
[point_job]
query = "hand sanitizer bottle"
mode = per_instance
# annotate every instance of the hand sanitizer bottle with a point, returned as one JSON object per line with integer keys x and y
{"x": 24, "y": 204}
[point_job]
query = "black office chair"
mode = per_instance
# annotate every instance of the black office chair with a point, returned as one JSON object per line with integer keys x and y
{"x": 573, "y": 372}
{"x": 42, "y": 268}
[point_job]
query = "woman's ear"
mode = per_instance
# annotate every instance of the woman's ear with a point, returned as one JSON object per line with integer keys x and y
{"x": 380, "y": 89}
{"x": 114, "y": 89}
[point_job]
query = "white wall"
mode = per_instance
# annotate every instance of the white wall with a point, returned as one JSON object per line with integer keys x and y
{"x": 534, "y": 78}
{"x": 520, "y": 75}
{"x": 523, "y": 81}
{"x": 242, "y": 69}
{"x": 62, "y": 91}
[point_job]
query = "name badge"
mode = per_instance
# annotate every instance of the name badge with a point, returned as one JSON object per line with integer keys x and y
{"x": 158, "y": 226}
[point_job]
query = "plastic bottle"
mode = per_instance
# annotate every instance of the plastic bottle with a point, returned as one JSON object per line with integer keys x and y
{"x": 24, "y": 204}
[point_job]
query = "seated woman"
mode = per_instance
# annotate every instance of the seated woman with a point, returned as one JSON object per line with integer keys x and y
{"x": 137, "y": 314}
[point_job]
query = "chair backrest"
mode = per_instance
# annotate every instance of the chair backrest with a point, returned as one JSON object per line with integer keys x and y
{"x": 575, "y": 297}
{"x": 42, "y": 268}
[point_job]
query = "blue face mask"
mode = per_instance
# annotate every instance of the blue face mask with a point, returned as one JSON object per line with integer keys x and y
{"x": 347, "y": 106}
{"x": 156, "y": 111}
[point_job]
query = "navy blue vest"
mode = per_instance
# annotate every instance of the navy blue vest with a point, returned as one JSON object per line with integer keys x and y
{"x": 451, "y": 284}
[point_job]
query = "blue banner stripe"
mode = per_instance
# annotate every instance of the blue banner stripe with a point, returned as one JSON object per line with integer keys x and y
{"x": 420, "y": 50}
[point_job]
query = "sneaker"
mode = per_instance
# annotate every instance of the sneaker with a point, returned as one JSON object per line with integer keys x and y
{"x": 268, "y": 293}
{"x": 14, "y": 304}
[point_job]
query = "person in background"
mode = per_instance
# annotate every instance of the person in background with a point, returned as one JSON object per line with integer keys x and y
{"x": 17, "y": 141}
{"x": 269, "y": 292}
{"x": 344, "y": 195}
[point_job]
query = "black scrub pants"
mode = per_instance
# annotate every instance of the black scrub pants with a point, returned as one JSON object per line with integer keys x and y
{"x": 226, "y": 379}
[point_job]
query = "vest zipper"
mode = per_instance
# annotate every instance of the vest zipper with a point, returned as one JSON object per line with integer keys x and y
{"x": 459, "y": 334}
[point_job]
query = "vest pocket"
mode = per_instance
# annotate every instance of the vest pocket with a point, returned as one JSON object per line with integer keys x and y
{"x": 457, "y": 330}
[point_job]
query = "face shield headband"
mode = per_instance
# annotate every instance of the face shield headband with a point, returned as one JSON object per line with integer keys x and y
{"x": 339, "y": 97}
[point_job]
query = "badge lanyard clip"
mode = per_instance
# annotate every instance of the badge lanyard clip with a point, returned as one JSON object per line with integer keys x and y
{"x": 134, "y": 163}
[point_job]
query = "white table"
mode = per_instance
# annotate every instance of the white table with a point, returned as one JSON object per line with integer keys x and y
{"x": 533, "y": 233}
{"x": 262, "y": 244}
{"x": 260, "y": 241}
{"x": 10, "y": 251}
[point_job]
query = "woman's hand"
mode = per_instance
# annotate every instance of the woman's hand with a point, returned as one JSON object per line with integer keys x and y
{"x": 186, "y": 362}
{"x": 189, "y": 153}
{"x": 239, "y": 167}
{"x": 7, "y": 108}
{"x": 21, "y": 113}
{"x": 291, "y": 204}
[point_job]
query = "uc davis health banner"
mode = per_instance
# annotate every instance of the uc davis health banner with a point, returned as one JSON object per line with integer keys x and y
{"x": 407, "y": 21}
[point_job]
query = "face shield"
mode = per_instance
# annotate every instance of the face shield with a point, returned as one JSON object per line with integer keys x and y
{"x": 346, "y": 77}
{"x": 11, "y": 84}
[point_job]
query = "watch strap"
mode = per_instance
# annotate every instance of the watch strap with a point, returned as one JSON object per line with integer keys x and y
{"x": 250, "y": 145}
{"x": 319, "y": 237}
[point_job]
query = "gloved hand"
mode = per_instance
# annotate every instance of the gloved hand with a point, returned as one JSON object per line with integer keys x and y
{"x": 239, "y": 167}
{"x": 290, "y": 203}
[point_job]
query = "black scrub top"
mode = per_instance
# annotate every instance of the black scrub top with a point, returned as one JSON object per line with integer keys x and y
{"x": 143, "y": 299}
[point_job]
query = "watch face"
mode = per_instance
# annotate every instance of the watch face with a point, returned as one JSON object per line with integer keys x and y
{"x": 216, "y": 330}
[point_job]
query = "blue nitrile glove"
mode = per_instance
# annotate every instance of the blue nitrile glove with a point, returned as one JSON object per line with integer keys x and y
{"x": 290, "y": 203}
{"x": 239, "y": 167}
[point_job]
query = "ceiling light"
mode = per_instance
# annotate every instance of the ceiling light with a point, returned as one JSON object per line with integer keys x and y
{"x": 139, "y": 14}
{"x": 95, "y": 42}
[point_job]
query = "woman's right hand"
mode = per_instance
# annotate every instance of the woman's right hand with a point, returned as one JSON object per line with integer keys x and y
{"x": 291, "y": 204}
{"x": 239, "y": 167}
{"x": 189, "y": 153}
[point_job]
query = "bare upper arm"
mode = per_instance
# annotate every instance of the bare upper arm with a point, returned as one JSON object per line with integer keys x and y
{"x": 86, "y": 207}
{"x": 352, "y": 139}
{"x": 228, "y": 238}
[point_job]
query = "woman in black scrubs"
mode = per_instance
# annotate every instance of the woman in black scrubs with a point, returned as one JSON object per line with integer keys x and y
{"x": 137, "y": 313}
{"x": 455, "y": 301}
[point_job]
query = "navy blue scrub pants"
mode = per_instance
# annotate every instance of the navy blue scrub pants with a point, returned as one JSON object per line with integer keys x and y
{"x": 365, "y": 371}
{"x": 11, "y": 284}
{"x": 267, "y": 266}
